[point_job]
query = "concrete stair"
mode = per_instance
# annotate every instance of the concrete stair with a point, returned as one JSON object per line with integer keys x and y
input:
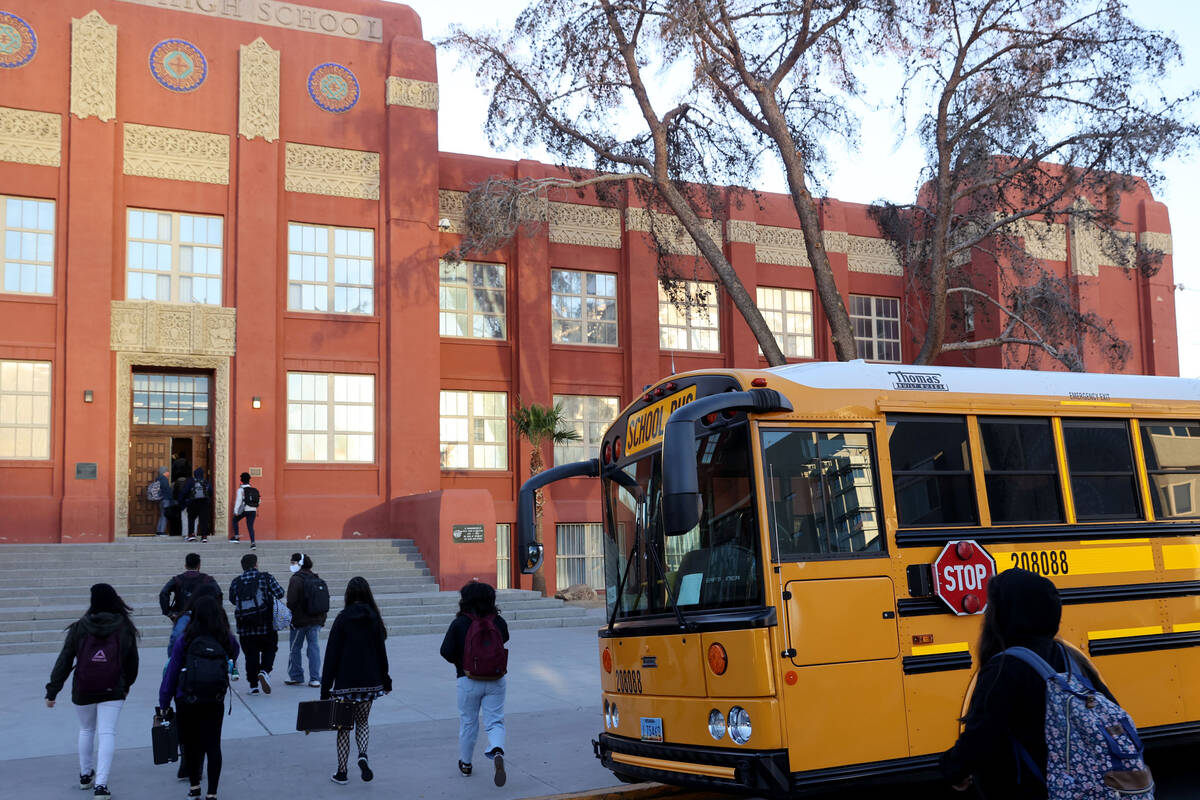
{"x": 44, "y": 588}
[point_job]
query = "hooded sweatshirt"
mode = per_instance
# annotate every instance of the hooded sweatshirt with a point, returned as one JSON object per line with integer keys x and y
{"x": 355, "y": 657}
{"x": 1009, "y": 701}
{"x": 98, "y": 624}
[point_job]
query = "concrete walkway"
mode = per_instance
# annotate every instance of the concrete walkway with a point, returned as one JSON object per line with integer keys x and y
{"x": 552, "y": 710}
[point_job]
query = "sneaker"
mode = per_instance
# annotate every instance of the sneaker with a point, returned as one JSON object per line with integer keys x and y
{"x": 290, "y": 682}
{"x": 340, "y": 777}
{"x": 234, "y": 675}
{"x": 102, "y": 792}
{"x": 315, "y": 684}
{"x": 236, "y": 539}
{"x": 189, "y": 538}
{"x": 255, "y": 691}
{"x": 465, "y": 769}
{"x": 498, "y": 760}
{"x": 264, "y": 680}
{"x": 367, "y": 775}
{"x": 194, "y": 792}
{"x": 253, "y": 546}
{"x": 203, "y": 540}
{"x": 86, "y": 781}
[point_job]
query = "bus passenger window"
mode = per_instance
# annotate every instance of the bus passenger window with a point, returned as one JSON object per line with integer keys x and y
{"x": 821, "y": 493}
{"x": 931, "y": 471}
{"x": 1172, "y": 451}
{"x": 1020, "y": 470}
{"x": 1100, "y": 463}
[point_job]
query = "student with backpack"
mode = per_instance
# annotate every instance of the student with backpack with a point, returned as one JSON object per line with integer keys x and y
{"x": 245, "y": 506}
{"x": 198, "y": 494}
{"x": 308, "y": 600}
{"x": 356, "y": 670}
{"x": 253, "y": 596}
{"x": 474, "y": 644}
{"x": 102, "y": 648}
{"x": 197, "y": 680}
{"x": 175, "y": 592}
{"x": 159, "y": 491}
{"x": 1011, "y": 747}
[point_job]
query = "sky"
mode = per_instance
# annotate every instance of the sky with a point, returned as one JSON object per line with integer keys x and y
{"x": 888, "y": 162}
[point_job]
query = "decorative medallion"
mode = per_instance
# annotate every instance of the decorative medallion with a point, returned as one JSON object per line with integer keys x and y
{"x": 18, "y": 42}
{"x": 178, "y": 65}
{"x": 333, "y": 87}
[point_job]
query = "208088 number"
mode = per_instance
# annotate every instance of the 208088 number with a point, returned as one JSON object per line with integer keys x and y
{"x": 1043, "y": 562}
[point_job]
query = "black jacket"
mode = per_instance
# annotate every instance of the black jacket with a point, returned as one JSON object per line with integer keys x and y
{"x": 100, "y": 624}
{"x": 295, "y": 601}
{"x": 355, "y": 655}
{"x": 182, "y": 586}
{"x": 456, "y": 639}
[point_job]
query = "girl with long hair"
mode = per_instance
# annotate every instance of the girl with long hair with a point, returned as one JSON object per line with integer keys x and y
{"x": 356, "y": 670}
{"x": 102, "y": 648}
{"x": 205, "y": 647}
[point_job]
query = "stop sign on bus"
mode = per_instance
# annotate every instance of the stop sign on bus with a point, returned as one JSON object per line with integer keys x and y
{"x": 960, "y": 576}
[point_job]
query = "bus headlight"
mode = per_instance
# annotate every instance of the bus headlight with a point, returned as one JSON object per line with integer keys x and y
{"x": 607, "y": 716}
{"x": 716, "y": 724}
{"x": 615, "y": 718}
{"x": 739, "y": 725}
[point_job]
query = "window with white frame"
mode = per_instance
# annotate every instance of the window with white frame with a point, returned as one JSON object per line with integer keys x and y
{"x": 173, "y": 258}
{"x": 331, "y": 269}
{"x": 589, "y": 416}
{"x": 474, "y": 430}
{"x": 583, "y": 307}
{"x": 471, "y": 300}
{"x": 876, "y": 323}
{"x": 330, "y": 418}
{"x": 694, "y": 328}
{"x": 788, "y": 313}
{"x": 28, "y": 245}
{"x": 25, "y": 410}
{"x": 503, "y": 561}
{"x": 580, "y": 555}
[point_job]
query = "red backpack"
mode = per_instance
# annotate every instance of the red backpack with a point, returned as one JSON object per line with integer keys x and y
{"x": 485, "y": 658}
{"x": 98, "y": 664}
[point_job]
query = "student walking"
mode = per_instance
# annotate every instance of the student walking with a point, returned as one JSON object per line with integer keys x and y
{"x": 198, "y": 496}
{"x": 165, "y": 500}
{"x": 245, "y": 506}
{"x": 356, "y": 670}
{"x": 175, "y": 593}
{"x": 474, "y": 644}
{"x": 253, "y": 595}
{"x": 197, "y": 681}
{"x": 102, "y": 648}
{"x": 308, "y": 600}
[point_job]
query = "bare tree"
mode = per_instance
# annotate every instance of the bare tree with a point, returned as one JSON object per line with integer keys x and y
{"x": 1036, "y": 112}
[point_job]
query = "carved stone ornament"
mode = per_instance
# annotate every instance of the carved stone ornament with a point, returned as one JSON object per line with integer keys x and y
{"x": 1157, "y": 242}
{"x": 742, "y": 230}
{"x": 184, "y": 328}
{"x": 873, "y": 255}
{"x": 590, "y": 226}
{"x": 452, "y": 207}
{"x": 671, "y": 232}
{"x": 412, "y": 93}
{"x": 1085, "y": 248}
{"x": 176, "y": 154}
{"x": 30, "y": 137}
{"x": 782, "y": 246}
{"x": 258, "y": 91}
{"x": 332, "y": 171}
{"x": 93, "y": 67}
{"x": 836, "y": 241}
{"x": 1044, "y": 240}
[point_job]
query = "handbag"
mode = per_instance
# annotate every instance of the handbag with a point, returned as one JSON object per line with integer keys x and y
{"x": 164, "y": 739}
{"x": 324, "y": 715}
{"x": 282, "y": 617}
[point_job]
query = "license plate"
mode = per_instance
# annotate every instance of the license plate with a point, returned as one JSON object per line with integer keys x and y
{"x": 652, "y": 729}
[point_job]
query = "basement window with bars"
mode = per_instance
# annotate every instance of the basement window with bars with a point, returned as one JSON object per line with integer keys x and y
{"x": 580, "y": 556}
{"x": 503, "y": 559}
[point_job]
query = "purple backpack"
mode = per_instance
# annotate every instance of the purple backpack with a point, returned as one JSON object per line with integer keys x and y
{"x": 1092, "y": 747}
{"x": 485, "y": 658}
{"x": 98, "y": 664}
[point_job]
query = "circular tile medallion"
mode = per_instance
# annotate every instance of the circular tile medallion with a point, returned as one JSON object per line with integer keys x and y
{"x": 178, "y": 65}
{"x": 18, "y": 42}
{"x": 333, "y": 87}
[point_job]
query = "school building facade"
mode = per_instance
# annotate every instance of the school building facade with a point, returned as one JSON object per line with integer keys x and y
{"x": 223, "y": 222}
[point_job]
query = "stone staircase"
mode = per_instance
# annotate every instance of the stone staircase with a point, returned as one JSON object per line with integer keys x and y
{"x": 44, "y": 588}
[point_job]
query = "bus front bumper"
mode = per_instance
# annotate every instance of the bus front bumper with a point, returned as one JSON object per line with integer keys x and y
{"x": 745, "y": 771}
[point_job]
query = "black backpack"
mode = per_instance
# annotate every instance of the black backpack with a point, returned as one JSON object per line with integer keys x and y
{"x": 250, "y": 606}
{"x": 187, "y": 584}
{"x": 250, "y": 497}
{"x": 199, "y": 491}
{"x": 205, "y": 675}
{"x": 316, "y": 596}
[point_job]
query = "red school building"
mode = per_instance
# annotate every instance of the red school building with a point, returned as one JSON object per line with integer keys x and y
{"x": 222, "y": 229}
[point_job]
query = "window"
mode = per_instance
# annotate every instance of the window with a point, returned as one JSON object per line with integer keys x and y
{"x": 931, "y": 471}
{"x": 1100, "y": 463}
{"x": 1172, "y": 451}
{"x": 330, "y": 417}
{"x": 788, "y": 313}
{"x": 1020, "y": 470}
{"x": 25, "y": 410}
{"x": 503, "y": 560}
{"x": 590, "y": 417}
{"x": 346, "y": 288}
{"x": 876, "y": 323}
{"x": 821, "y": 493}
{"x": 584, "y": 307}
{"x": 474, "y": 430}
{"x": 694, "y": 328}
{"x": 170, "y": 399}
{"x": 471, "y": 299}
{"x": 28, "y": 245}
{"x": 173, "y": 258}
{"x": 580, "y": 556}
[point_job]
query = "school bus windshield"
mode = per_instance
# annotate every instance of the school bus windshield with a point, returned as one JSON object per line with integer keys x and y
{"x": 716, "y": 565}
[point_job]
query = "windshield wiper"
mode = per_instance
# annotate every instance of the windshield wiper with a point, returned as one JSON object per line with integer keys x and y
{"x": 662, "y": 571}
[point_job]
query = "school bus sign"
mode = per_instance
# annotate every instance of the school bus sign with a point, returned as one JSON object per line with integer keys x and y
{"x": 960, "y": 576}
{"x": 645, "y": 428}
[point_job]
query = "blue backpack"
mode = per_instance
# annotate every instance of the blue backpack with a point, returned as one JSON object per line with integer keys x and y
{"x": 1092, "y": 747}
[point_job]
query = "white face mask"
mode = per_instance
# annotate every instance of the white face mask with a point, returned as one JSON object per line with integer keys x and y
{"x": 294, "y": 567}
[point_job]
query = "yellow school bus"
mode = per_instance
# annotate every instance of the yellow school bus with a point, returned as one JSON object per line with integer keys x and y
{"x": 768, "y": 538}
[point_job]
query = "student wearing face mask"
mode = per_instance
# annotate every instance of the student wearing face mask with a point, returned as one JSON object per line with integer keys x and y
{"x": 308, "y": 600}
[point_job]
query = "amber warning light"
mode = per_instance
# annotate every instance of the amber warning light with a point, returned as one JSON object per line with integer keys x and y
{"x": 718, "y": 659}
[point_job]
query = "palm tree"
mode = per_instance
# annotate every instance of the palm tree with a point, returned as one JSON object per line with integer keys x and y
{"x": 539, "y": 424}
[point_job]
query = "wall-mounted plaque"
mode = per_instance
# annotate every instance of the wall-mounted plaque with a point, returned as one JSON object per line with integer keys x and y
{"x": 467, "y": 533}
{"x": 85, "y": 471}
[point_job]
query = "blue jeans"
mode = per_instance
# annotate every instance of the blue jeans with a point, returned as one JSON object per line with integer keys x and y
{"x": 298, "y": 637}
{"x": 474, "y": 695}
{"x": 248, "y": 515}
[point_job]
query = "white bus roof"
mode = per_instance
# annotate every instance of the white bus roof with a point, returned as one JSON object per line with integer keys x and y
{"x": 1084, "y": 386}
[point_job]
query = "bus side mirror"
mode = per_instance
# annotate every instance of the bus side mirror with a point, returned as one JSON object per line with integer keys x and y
{"x": 534, "y": 552}
{"x": 529, "y": 550}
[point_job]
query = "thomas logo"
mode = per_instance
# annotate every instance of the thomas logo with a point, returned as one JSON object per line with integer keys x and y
{"x": 920, "y": 381}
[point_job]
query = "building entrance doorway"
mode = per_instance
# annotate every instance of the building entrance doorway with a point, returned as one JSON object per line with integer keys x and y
{"x": 171, "y": 418}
